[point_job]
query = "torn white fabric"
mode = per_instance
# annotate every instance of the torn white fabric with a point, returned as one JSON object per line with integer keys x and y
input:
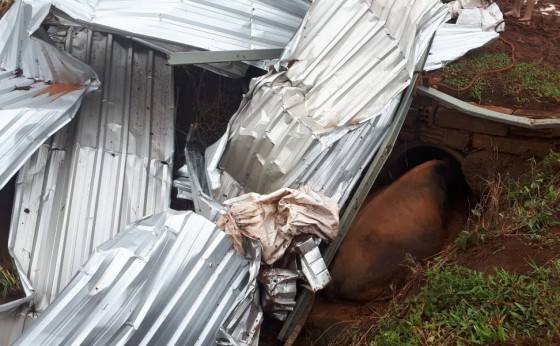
{"x": 275, "y": 219}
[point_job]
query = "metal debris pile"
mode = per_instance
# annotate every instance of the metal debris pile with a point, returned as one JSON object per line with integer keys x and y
{"x": 87, "y": 122}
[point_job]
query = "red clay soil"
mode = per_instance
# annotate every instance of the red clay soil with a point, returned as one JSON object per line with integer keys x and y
{"x": 537, "y": 41}
{"x": 513, "y": 253}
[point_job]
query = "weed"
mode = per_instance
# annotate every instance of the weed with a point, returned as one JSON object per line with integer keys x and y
{"x": 478, "y": 87}
{"x": 528, "y": 204}
{"x": 462, "y": 306}
{"x": 467, "y": 239}
{"x": 540, "y": 80}
{"x": 534, "y": 200}
{"x": 9, "y": 282}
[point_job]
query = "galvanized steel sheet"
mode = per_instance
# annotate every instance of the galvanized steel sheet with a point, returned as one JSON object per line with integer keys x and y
{"x": 205, "y": 24}
{"x": 41, "y": 87}
{"x": 110, "y": 166}
{"x": 321, "y": 117}
{"x": 169, "y": 279}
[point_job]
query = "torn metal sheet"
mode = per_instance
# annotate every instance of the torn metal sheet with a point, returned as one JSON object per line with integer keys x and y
{"x": 280, "y": 290}
{"x": 13, "y": 323}
{"x": 203, "y": 203}
{"x": 183, "y": 184}
{"x": 275, "y": 219}
{"x": 452, "y": 41}
{"x": 320, "y": 119}
{"x": 312, "y": 264}
{"x": 110, "y": 166}
{"x": 169, "y": 279}
{"x": 41, "y": 87}
{"x": 14, "y": 315}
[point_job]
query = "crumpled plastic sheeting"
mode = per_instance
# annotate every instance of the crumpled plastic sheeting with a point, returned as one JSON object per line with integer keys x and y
{"x": 169, "y": 279}
{"x": 41, "y": 87}
{"x": 478, "y": 13}
{"x": 275, "y": 219}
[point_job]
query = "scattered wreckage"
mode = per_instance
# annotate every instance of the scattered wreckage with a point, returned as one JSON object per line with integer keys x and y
{"x": 87, "y": 117}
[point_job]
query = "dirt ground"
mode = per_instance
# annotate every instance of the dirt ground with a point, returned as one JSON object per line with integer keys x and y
{"x": 537, "y": 41}
{"x": 514, "y": 253}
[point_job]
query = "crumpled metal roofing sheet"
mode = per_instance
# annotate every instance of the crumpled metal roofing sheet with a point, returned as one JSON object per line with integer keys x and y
{"x": 452, "y": 41}
{"x": 110, "y": 166}
{"x": 348, "y": 64}
{"x": 352, "y": 57}
{"x": 169, "y": 279}
{"x": 204, "y": 24}
{"x": 40, "y": 87}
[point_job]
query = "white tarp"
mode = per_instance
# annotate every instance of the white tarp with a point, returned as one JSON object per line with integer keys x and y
{"x": 482, "y": 14}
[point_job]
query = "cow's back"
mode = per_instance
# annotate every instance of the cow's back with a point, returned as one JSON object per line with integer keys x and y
{"x": 406, "y": 217}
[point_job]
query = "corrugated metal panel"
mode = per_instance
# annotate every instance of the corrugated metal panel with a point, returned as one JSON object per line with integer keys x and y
{"x": 301, "y": 125}
{"x": 169, "y": 279}
{"x": 40, "y": 88}
{"x": 452, "y": 41}
{"x": 352, "y": 57}
{"x": 204, "y": 24}
{"x": 13, "y": 324}
{"x": 110, "y": 166}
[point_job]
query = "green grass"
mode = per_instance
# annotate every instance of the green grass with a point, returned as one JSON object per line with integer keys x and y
{"x": 458, "y": 74}
{"x": 528, "y": 205}
{"x": 459, "y": 306}
{"x": 9, "y": 282}
{"x": 540, "y": 82}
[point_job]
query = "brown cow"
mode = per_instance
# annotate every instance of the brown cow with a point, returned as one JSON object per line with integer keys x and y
{"x": 405, "y": 218}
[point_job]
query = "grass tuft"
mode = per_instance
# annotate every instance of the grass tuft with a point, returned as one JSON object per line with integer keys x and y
{"x": 527, "y": 205}
{"x": 459, "y": 306}
{"x": 9, "y": 282}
